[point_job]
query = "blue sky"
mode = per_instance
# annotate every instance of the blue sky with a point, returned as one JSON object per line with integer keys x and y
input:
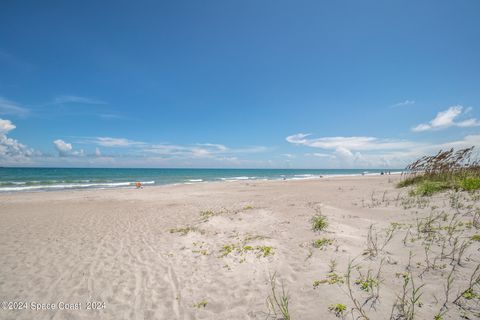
{"x": 237, "y": 83}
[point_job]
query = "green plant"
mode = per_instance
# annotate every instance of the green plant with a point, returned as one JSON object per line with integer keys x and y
{"x": 410, "y": 298}
{"x": 207, "y": 214}
{"x": 332, "y": 278}
{"x": 367, "y": 284}
{"x": 201, "y": 304}
{"x": 339, "y": 309}
{"x": 469, "y": 183}
{"x": 277, "y": 302}
{"x": 476, "y": 237}
{"x": 427, "y": 188}
{"x": 265, "y": 251}
{"x": 320, "y": 243}
{"x": 469, "y": 294}
{"x": 226, "y": 250}
{"x": 446, "y": 170}
{"x": 183, "y": 231}
{"x": 319, "y": 222}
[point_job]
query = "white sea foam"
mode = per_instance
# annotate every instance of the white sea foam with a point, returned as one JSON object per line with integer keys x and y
{"x": 73, "y": 186}
{"x": 237, "y": 178}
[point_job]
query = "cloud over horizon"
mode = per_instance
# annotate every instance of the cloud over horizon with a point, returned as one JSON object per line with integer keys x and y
{"x": 12, "y": 151}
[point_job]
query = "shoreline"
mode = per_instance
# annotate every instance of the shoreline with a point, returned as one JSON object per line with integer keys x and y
{"x": 149, "y": 184}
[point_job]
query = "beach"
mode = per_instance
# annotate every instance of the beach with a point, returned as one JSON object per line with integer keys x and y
{"x": 210, "y": 250}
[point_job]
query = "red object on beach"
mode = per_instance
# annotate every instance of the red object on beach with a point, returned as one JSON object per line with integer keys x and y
{"x": 138, "y": 184}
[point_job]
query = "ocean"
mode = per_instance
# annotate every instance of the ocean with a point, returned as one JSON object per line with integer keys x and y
{"x": 45, "y": 179}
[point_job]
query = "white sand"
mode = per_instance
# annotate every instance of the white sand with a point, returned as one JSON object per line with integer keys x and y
{"x": 116, "y": 247}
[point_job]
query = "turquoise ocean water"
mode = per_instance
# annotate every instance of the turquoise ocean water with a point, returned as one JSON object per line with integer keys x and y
{"x": 44, "y": 179}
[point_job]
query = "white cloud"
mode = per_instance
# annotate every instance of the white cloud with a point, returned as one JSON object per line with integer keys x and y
{"x": 176, "y": 151}
{"x": 220, "y": 147}
{"x": 350, "y": 143}
{"x": 64, "y": 99}
{"x": 200, "y": 150}
{"x": 319, "y": 155}
{"x": 371, "y": 152}
{"x": 12, "y": 151}
{"x": 98, "y": 153}
{"x": 65, "y": 149}
{"x": 116, "y": 142}
{"x": 446, "y": 119}
{"x": 403, "y": 104}
{"x": 62, "y": 147}
{"x": 6, "y": 126}
{"x": 8, "y": 107}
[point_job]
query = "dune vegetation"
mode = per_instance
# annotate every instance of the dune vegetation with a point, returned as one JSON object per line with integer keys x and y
{"x": 446, "y": 170}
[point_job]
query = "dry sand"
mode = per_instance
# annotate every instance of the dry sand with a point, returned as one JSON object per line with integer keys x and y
{"x": 126, "y": 249}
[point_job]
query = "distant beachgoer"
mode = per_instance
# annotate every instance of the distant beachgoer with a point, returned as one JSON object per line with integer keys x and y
{"x": 138, "y": 185}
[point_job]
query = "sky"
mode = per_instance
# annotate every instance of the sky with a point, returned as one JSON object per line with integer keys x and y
{"x": 237, "y": 84}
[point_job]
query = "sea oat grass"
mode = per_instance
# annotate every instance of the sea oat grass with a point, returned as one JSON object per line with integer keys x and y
{"x": 446, "y": 170}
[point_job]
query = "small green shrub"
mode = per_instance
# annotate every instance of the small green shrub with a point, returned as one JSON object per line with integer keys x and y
{"x": 476, "y": 237}
{"x": 332, "y": 278}
{"x": 320, "y": 243}
{"x": 469, "y": 295}
{"x": 319, "y": 222}
{"x": 183, "y": 231}
{"x": 201, "y": 304}
{"x": 339, "y": 309}
{"x": 469, "y": 183}
{"x": 207, "y": 214}
{"x": 226, "y": 250}
{"x": 265, "y": 251}
{"x": 367, "y": 284}
{"x": 427, "y": 188}
{"x": 410, "y": 181}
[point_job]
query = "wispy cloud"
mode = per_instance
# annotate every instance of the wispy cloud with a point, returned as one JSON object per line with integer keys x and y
{"x": 403, "y": 104}
{"x": 446, "y": 119}
{"x": 115, "y": 142}
{"x": 350, "y": 143}
{"x": 8, "y": 107}
{"x": 200, "y": 150}
{"x": 318, "y": 154}
{"x": 65, "y": 99}
{"x": 350, "y": 152}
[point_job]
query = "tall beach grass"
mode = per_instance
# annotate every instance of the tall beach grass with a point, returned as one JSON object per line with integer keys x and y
{"x": 445, "y": 170}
